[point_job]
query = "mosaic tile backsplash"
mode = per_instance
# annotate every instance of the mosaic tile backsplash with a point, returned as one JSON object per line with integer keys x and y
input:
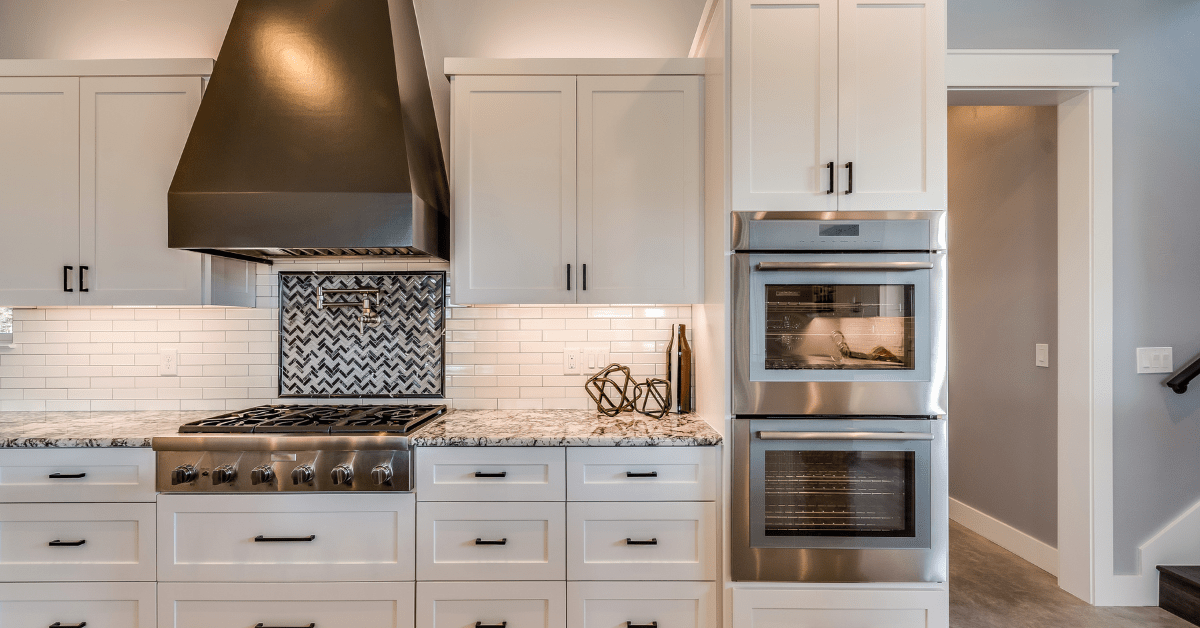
{"x": 327, "y": 352}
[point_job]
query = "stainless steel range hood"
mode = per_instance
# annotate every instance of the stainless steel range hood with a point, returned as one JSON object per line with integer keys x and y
{"x": 316, "y": 136}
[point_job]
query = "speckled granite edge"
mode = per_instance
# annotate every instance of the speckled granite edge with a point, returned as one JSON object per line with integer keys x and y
{"x": 564, "y": 428}
{"x": 36, "y": 430}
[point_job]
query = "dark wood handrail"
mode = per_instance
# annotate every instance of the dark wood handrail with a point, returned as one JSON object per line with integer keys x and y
{"x": 1180, "y": 379}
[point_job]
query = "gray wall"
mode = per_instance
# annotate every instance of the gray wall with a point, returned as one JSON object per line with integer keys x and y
{"x": 1003, "y": 299}
{"x": 1156, "y": 127}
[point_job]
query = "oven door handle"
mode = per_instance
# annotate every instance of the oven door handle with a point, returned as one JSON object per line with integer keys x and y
{"x": 861, "y": 266}
{"x": 844, "y": 436}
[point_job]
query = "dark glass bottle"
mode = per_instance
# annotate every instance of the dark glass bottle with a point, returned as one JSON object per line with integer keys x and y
{"x": 685, "y": 372}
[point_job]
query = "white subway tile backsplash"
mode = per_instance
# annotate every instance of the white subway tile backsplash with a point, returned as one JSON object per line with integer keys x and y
{"x": 497, "y": 357}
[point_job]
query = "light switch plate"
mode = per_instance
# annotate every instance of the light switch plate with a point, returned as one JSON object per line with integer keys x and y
{"x": 597, "y": 359}
{"x": 1041, "y": 355}
{"x": 1155, "y": 360}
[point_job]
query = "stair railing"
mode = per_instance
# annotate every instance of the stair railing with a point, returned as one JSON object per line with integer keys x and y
{"x": 1180, "y": 379}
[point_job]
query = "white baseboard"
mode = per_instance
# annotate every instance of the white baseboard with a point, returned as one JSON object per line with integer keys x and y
{"x": 1177, "y": 543}
{"x": 1006, "y": 536}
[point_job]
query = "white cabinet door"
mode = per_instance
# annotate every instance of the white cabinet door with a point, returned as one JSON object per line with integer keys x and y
{"x": 132, "y": 131}
{"x": 490, "y": 474}
{"x": 491, "y": 604}
{"x": 326, "y": 604}
{"x": 39, "y": 176}
{"x": 658, "y": 604}
{"x": 641, "y": 541}
{"x": 491, "y": 541}
{"x": 65, "y": 542}
{"x": 826, "y": 606}
{"x": 83, "y": 474}
{"x": 513, "y": 183}
{"x": 784, "y": 104}
{"x": 892, "y": 104}
{"x": 629, "y": 474}
{"x": 99, "y": 604}
{"x": 640, "y": 189}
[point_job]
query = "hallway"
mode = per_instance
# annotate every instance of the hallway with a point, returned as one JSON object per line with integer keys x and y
{"x": 992, "y": 588}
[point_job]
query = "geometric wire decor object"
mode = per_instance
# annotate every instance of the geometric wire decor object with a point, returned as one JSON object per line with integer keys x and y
{"x": 332, "y": 350}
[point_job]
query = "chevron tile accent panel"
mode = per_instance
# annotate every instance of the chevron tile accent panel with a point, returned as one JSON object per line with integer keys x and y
{"x": 324, "y": 353}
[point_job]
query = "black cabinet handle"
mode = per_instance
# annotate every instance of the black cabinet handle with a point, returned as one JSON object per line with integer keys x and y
{"x": 480, "y": 624}
{"x": 850, "y": 178}
{"x": 648, "y": 542}
{"x": 630, "y": 624}
{"x": 832, "y": 178}
{"x": 67, "y": 278}
{"x": 66, "y": 476}
{"x": 59, "y": 624}
{"x": 585, "y": 277}
{"x": 284, "y": 539}
{"x": 481, "y": 474}
{"x": 262, "y": 625}
{"x": 83, "y": 278}
{"x": 636, "y": 474}
{"x": 58, "y": 543}
{"x": 494, "y": 542}
{"x": 568, "y": 277}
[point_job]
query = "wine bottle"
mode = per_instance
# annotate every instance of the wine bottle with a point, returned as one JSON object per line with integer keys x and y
{"x": 685, "y": 372}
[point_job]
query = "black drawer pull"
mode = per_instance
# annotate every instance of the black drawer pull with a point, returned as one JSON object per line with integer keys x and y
{"x": 58, "y": 543}
{"x": 262, "y": 625}
{"x": 495, "y": 542}
{"x": 59, "y": 624}
{"x": 635, "y": 474}
{"x": 630, "y": 624}
{"x": 481, "y": 474}
{"x": 284, "y": 539}
{"x": 649, "y": 542}
{"x": 480, "y": 624}
{"x": 66, "y": 476}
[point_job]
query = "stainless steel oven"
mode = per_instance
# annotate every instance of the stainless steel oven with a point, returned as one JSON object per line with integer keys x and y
{"x": 840, "y": 500}
{"x": 839, "y": 313}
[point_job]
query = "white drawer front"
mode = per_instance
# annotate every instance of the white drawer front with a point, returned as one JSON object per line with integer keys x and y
{"x": 602, "y": 541}
{"x": 109, "y": 474}
{"x": 453, "y": 541}
{"x": 661, "y": 604}
{"x": 513, "y": 604}
{"x": 825, "y": 606}
{"x": 328, "y": 605}
{"x": 100, "y": 604}
{"x": 490, "y": 474}
{"x": 42, "y": 542}
{"x": 642, "y": 474}
{"x": 353, "y": 537}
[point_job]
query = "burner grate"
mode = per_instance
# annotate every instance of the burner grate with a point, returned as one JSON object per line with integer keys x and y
{"x": 359, "y": 419}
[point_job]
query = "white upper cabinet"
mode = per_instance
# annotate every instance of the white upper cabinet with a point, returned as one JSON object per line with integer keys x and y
{"x": 639, "y": 189}
{"x": 514, "y": 188}
{"x": 576, "y": 189}
{"x": 859, "y": 85}
{"x": 86, "y": 165}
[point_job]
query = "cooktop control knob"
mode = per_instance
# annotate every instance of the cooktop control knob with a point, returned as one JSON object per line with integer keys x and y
{"x": 223, "y": 474}
{"x": 262, "y": 474}
{"x": 382, "y": 475}
{"x": 302, "y": 474}
{"x": 342, "y": 474}
{"x": 183, "y": 474}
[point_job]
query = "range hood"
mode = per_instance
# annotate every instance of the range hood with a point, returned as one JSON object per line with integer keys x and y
{"x": 316, "y": 137}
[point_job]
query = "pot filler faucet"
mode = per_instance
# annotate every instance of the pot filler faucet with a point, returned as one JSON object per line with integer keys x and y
{"x": 369, "y": 315}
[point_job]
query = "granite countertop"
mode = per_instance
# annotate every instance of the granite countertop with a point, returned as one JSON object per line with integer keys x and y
{"x": 564, "y": 428}
{"x": 91, "y": 429}
{"x": 459, "y": 428}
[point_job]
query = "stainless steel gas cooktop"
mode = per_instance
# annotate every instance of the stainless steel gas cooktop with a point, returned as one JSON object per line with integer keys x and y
{"x": 294, "y": 448}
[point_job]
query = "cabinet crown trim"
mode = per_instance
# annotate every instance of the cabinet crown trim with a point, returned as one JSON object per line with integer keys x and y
{"x": 106, "y": 67}
{"x": 572, "y": 67}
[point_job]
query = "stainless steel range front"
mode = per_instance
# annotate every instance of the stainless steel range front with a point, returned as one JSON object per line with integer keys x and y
{"x": 839, "y": 397}
{"x": 300, "y": 448}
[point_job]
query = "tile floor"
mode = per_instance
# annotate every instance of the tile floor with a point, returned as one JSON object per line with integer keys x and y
{"x": 992, "y": 588}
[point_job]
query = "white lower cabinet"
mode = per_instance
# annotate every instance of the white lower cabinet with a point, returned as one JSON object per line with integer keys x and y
{"x": 264, "y": 538}
{"x": 641, "y": 541}
{"x": 491, "y": 541}
{"x": 65, "y": 542}
{"x": 829, "y": 607}
{"x": 645, "y": 604}
{"x": 271, "y": 605}
{"x": 98, "y": 604}
{"x": 491, "y": 604}
{"x": 77, "y": 474}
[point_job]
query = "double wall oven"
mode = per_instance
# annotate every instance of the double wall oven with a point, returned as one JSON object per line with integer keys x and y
{"x": 840, "y": 397}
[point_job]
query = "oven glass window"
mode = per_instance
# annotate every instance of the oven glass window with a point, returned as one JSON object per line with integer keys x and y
{"x": 840, "y": 493}
{"x": 855, "y": 327}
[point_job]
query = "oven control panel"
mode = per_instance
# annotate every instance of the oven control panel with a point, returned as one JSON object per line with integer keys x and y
{"x": 283, "y": 471}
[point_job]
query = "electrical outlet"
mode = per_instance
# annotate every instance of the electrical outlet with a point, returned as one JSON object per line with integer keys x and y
{"x": 1041, "y": 355}
{"x": 1155, "y": 360}
{"x": 168, "y": 362}
{"x": 572, "y": 362}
